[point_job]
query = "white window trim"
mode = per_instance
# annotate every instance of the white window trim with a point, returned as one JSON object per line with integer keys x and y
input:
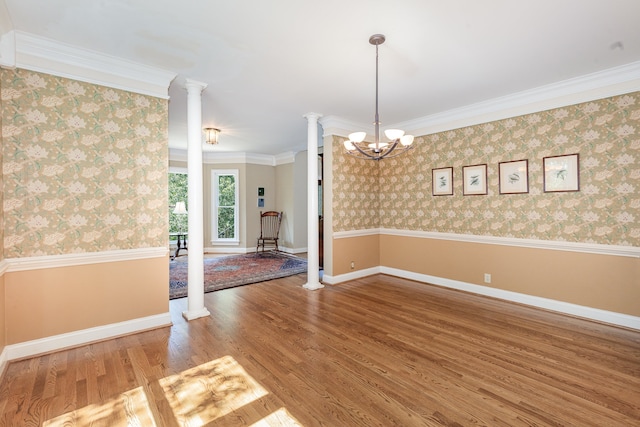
{"x": 215, "y": 173}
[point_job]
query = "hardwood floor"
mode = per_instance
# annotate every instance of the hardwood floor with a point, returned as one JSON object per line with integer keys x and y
{"x": 379, "y": 351}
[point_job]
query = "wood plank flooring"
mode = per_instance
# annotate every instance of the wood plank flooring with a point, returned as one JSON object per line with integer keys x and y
{"x": 379, "y": 351}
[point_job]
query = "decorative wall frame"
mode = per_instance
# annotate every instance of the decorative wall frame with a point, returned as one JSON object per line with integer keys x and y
{"x": 442, "y": 181}
{"x": 474, "y": 180}
{"x": 561, "y": 173}
{"x": 514, "y": 176}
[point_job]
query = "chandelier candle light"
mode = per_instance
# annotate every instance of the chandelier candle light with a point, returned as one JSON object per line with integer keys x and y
{"x": 398, "y": 141}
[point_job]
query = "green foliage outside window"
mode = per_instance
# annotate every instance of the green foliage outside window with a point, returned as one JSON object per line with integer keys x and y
{"x": 177, "y": 193}
{"x": 226, "y": 206}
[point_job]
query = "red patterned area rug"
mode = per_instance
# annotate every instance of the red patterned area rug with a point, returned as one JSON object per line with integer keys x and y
{"x": 235, "y": 270}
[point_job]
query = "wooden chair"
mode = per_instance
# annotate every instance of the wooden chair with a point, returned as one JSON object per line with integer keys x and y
{"x": 269, "y": 229}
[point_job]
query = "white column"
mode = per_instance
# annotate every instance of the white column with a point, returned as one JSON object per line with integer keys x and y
{"x": 313, "y": 263}
{"x": 195, "y": 287}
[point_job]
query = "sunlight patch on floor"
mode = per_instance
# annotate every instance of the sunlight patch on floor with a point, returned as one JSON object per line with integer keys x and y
{"x": 280, "y": 418}
{"x": 196, "y": 396}
{"x": 131, "y": 406}
{"x": 210, "y": 391}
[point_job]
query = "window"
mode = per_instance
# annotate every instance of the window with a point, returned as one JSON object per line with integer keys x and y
{"x": 177, "y": 193}
{"x": 224, "y": 206}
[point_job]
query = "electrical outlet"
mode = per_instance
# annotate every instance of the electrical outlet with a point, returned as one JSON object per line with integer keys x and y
{"x": 353, "y": 265}
{"x": 487, "y": 278}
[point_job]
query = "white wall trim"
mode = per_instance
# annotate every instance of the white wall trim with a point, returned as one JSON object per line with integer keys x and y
{"x": 356, "y": 233}
{"x": 3, "y": 362}
{"x": 592, "y": 248}
{"x": 214, "y": 157}
{"x": 285, "y": 158}
{"x": 44, "y": 55}
{"x": 358, "y": 274}
{"x": 70, "y": 260}
{"x": 4, "y": 266}
{"x": 85, "y": 336}
{"x": 292, "y": 250}
{"x": 599, "y": 315}
{"x": 603, "y": 84}
{"x": 7, "y": 46}
{"x": 545, "y": 303}
{"x": 239, "y": 250}
{"x": 227, "y": 250}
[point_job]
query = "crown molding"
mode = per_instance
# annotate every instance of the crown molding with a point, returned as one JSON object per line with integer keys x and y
{"x": 48, "y": 56}
{"x": 211, "y": 157}
{"x": 590, "y": 87}
{"x": 602, "y": 84}
{"x": 8, "y": 49}
{"x": 284, "y": 158}
{"x": 334, "y": 125}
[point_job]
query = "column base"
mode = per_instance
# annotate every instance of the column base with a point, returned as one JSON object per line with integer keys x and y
{"x": 313, "y": 286}
{"x": 191, "y": 315}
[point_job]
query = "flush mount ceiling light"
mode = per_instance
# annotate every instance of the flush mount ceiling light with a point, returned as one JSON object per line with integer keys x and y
{"x": 398, "y": 141}
{"x": 211, "y": 135}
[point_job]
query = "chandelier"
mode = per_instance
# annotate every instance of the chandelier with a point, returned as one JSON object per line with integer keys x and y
{"x": 398, "y": 141}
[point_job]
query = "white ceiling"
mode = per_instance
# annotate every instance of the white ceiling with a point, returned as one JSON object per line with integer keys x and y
{"x": 267, "y": 63}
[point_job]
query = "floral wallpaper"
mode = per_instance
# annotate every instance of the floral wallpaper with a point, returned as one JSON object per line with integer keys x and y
{"x": 606, "y": 210}
{"x": 1, "y": 185}
{"x": 355, "y": 192}
{"x": 84, "y": 166}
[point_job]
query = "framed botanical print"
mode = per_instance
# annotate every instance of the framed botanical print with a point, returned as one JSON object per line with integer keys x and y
{"x": 561, "y": 173}
{"x": 514, "y": 177}
{"x": 474, "y": 180}
{"x": 442, "y": 181}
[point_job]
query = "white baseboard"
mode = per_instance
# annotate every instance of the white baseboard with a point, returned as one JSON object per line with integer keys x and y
{"x": 358, "y": 274}
{"x": 82, "y": 337}
{"x": 226, "y": 250}
{"x": 293, "y": 250}
{"x": 237, "y": 250}
{"x": 599, "y": 315}
{"x": 3, "y": 362}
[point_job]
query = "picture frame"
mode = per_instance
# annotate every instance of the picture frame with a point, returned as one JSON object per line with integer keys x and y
{"x": 514, "y": 177}
{"x": 474, "y": 180}
{"x": 442, "y": 181}
{"x": 260, "y": 191}
{"x": 561, "y": 173}
{"x": 261, "y": 202}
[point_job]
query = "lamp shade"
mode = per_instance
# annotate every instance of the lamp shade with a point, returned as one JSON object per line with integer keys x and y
{"x": 394, "y": 134}
{"x": 180, "y": 208}
{"x": 357, "y": 136}
{"x": 406, "y": 140}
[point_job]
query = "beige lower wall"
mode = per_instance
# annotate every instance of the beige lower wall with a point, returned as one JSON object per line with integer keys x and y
{"x": 604, "y": 282}
{"x": 3, "y": 324}
{"x": 47, "y": 302}
{"x": 364, "y": 251}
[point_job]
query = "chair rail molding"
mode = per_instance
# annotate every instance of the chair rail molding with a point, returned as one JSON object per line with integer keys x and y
{"x": 70, "y": 260}
{"x": 593, "y": 248}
